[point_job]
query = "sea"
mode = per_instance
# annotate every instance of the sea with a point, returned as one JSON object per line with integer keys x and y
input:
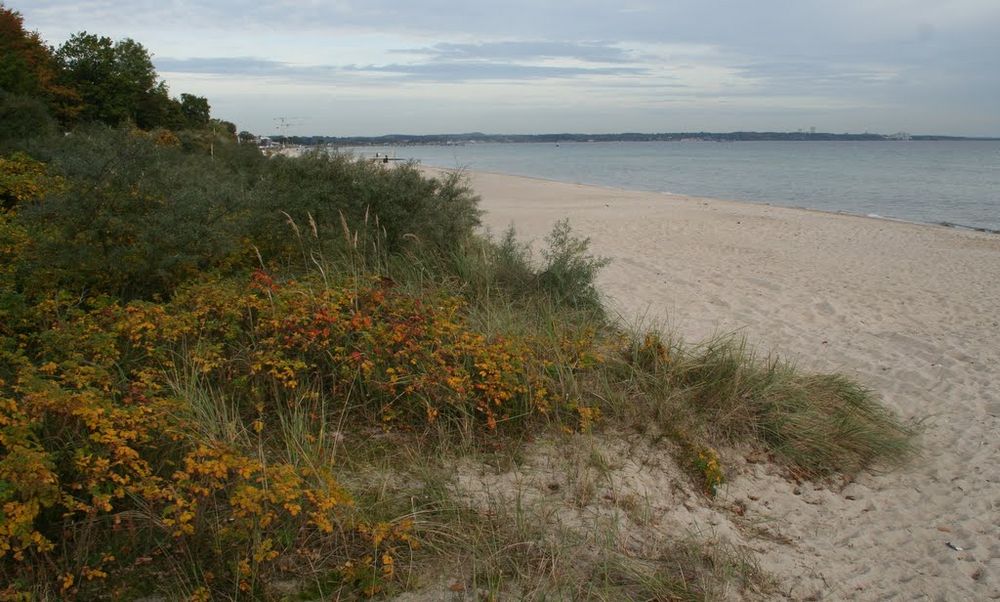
{"x": 954, "y": 183}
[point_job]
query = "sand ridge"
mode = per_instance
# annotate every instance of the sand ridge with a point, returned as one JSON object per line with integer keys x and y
{"x": 910, "y": 310}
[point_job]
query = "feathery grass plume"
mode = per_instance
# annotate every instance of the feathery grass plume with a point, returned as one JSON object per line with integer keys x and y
{"x": 344, "y": 227}
{"x": 291, "y": 222}
{"x": 312, "y": 225}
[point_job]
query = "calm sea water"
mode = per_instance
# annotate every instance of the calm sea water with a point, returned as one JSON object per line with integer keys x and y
{"x": 956, "y": 183}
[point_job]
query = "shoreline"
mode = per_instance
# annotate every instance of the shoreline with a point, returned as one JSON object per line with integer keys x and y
{"x": 910, "y": 310}
{"x": 941, "y": 224}
{"x": 879, "y": 218}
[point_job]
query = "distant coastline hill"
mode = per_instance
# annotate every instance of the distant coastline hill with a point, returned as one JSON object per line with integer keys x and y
{"x": 478, "y": 137}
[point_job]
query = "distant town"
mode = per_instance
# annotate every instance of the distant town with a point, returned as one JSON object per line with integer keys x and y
{"x": 480, "y": 138}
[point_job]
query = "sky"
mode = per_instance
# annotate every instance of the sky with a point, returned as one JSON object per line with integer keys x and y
{"x": 373, "y": 67}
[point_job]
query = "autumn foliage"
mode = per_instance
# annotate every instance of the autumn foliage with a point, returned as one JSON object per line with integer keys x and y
{"x": 109, "y": 461}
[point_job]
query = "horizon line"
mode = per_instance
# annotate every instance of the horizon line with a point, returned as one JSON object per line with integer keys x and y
{"x": 692, "y": 133}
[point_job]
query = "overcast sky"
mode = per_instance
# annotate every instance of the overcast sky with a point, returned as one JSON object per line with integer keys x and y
{"x": 370, "y": 67}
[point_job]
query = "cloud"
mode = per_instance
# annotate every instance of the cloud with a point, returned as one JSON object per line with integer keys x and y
{"x": 480, "y": 70}
{"x": 815, "y": 74}
{"x": 246, "y": 66}
{"x": 588, "y": 52}
{"x": 435, "y": 71}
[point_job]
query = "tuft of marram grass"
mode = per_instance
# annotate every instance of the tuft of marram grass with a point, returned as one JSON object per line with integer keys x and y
{"x": 827, "y": 423}
{"x": 818, "y": 424}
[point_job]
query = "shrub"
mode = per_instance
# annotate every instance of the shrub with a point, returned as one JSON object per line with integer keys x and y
{"x": 569, "y": 272}
{"x": 504, "y": 270}
{"x": 137, "y": 214}
{"x": 101, "y": 455}
{"x": 398, "y": 205}
{"x": 133, "y": 219}
{"x": 23, "y": 118}
{"x": 22, "y": 180}
{"x": 176, "y": 429}
{"x": 400, "y": 359}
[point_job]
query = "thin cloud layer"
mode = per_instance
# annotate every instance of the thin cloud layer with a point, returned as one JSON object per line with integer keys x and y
{"x": 435, "y": 71}
{"x": 591, "y": 52}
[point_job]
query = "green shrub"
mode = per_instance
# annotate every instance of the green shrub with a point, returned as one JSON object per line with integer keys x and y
{"x": 569, "y": 273}
{"x": 326, "y": 193}
{"x": 133, "y": 219}
{"x": 505, "y": 270}
{"x": 23, "y": 118}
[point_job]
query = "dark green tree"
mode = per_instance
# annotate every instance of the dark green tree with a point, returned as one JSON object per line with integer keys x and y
{"x": 195, "y": 110}
{"x": 133, "y": 219}
{"x": 116, "y": 80}
{"x": 158, "y": 110}
{"x": 224, "y": 128}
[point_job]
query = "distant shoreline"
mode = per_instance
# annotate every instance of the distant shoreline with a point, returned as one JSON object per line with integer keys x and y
{"x": 480, "y": 138}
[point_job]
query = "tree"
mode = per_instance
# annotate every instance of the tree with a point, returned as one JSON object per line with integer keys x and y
{"x": 157, "y": 109}
{"x": 227, "y": 129}
{"x": 23, "y": 56}
{"x": 116, "y": 80}
{"x": 196, "y": 110}
{"x": 28, "y": 68}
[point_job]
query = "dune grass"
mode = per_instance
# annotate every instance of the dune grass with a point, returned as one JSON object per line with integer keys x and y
{"x": 723, "y": 392}
{"x": 506, "y": 544}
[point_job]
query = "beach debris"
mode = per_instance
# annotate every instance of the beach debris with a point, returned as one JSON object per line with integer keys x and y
{"x": 957, "y": 548}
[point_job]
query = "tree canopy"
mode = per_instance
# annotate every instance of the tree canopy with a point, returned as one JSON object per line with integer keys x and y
{"x": 25, "y": 62}
{"x": 116, "y": 80}
{"x": 195, "y": 109}
{"x": 29, "y": 69}
{"x": 89, "y": 78}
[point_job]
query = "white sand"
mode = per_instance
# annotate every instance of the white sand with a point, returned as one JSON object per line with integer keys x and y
{"x": 910, "y": 310}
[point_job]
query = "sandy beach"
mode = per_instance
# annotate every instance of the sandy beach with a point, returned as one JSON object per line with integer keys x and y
{"x": 910, "y": 310}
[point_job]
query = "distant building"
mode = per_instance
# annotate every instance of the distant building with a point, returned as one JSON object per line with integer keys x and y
{"x": 899, "y": 136}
